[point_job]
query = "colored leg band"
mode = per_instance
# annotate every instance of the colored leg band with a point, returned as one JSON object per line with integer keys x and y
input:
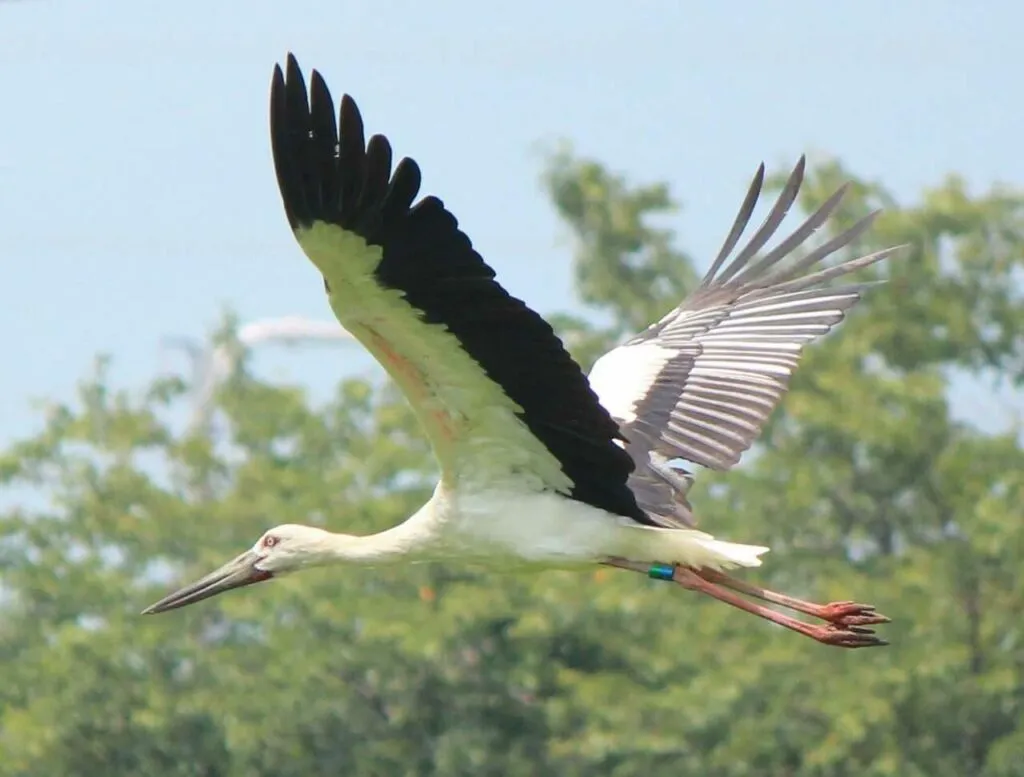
{"x": 661, "y": 571}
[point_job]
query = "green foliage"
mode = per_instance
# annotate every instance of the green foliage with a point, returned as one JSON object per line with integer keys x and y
{"x": 624, "y": 265}
{"x": 865, "y": 486}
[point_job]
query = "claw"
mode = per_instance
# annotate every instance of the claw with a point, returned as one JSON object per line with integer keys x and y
{"x": 852, "y": 637}
{"x": 851, "y": 614}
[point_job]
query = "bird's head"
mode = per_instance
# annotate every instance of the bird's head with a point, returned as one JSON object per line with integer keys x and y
{"x": 282, "y": 549}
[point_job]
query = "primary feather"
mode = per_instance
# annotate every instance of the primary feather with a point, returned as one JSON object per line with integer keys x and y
{"x": 496, "y": 391}
{"x": 700, "y": 384}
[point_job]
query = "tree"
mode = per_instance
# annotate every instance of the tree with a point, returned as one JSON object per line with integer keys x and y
{"x": 864, "y": 485}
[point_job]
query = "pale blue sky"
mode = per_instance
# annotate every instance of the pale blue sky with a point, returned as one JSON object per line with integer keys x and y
{"x": 137, "y": 196}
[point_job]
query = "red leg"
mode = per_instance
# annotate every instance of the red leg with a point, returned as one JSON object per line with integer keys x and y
{"x": 837, "y": 613}
{"x": 840, "y": 634}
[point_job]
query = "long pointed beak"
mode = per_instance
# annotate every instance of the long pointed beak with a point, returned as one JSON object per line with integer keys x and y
{"x": 237, "y": 573}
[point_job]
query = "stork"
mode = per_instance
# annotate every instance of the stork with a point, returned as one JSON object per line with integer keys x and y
{"x": 539, "y": 466}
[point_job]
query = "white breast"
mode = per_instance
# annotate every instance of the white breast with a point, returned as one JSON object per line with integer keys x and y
{"x": 523, "y": 528}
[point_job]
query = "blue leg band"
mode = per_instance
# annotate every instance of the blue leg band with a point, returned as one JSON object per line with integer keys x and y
{"x": 661, "y": 571}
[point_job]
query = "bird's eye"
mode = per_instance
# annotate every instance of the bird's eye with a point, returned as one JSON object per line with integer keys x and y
{"x": 269, "y": 541}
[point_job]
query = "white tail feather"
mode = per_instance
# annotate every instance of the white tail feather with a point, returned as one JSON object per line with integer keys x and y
{"x": 733, "y": 554}
{"x": 692, "y": 548}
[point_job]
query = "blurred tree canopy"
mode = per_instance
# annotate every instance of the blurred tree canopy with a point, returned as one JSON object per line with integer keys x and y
{"x": 865, "y": 486}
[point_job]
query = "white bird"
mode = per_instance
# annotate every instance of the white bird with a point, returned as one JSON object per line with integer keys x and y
{"x": 541, "y": 468}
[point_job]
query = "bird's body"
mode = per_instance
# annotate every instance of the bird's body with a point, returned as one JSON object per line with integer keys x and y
{"x": 541, "y": 467}
{"x": 518, "y": 529}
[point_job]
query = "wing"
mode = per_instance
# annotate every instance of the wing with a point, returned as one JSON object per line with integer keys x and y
{"x": 501, "y": 400}
{"x": 700, "y": 384}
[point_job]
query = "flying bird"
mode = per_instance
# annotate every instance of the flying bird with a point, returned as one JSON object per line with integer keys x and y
{"x": 540, "y": 466}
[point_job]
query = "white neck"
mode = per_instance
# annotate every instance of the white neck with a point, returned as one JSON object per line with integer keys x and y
{"x": 406, "y": 541}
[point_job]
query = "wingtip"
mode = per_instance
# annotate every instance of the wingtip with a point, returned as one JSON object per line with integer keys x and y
{"x": 796, "y": 178}
{"x": 293, "y": 73}
{"x": 288, "y": 72}
{"x": 348, "y": 103}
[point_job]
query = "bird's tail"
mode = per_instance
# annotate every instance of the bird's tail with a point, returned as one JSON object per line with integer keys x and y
{"x": 729, "y": 554}
{"x": 693, "y": 548}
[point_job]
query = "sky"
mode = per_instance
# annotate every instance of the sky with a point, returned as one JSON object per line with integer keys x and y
{"x": 138, "y": 199}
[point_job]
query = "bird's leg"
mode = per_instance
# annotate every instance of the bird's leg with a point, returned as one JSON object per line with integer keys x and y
{"x": 851, "y": 636}
{"x": 836, "y": 613}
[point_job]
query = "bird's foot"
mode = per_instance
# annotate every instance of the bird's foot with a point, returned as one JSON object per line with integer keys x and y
{"x": 848, "y": 637}
{"x": 845, "y": 614}
{"x": 845, "y": 625}
{"x": 839, "y": 614}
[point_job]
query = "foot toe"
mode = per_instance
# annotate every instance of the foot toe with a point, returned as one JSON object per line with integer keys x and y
{"x": 851, "y": 637}
{"x": 852, "y": 614}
